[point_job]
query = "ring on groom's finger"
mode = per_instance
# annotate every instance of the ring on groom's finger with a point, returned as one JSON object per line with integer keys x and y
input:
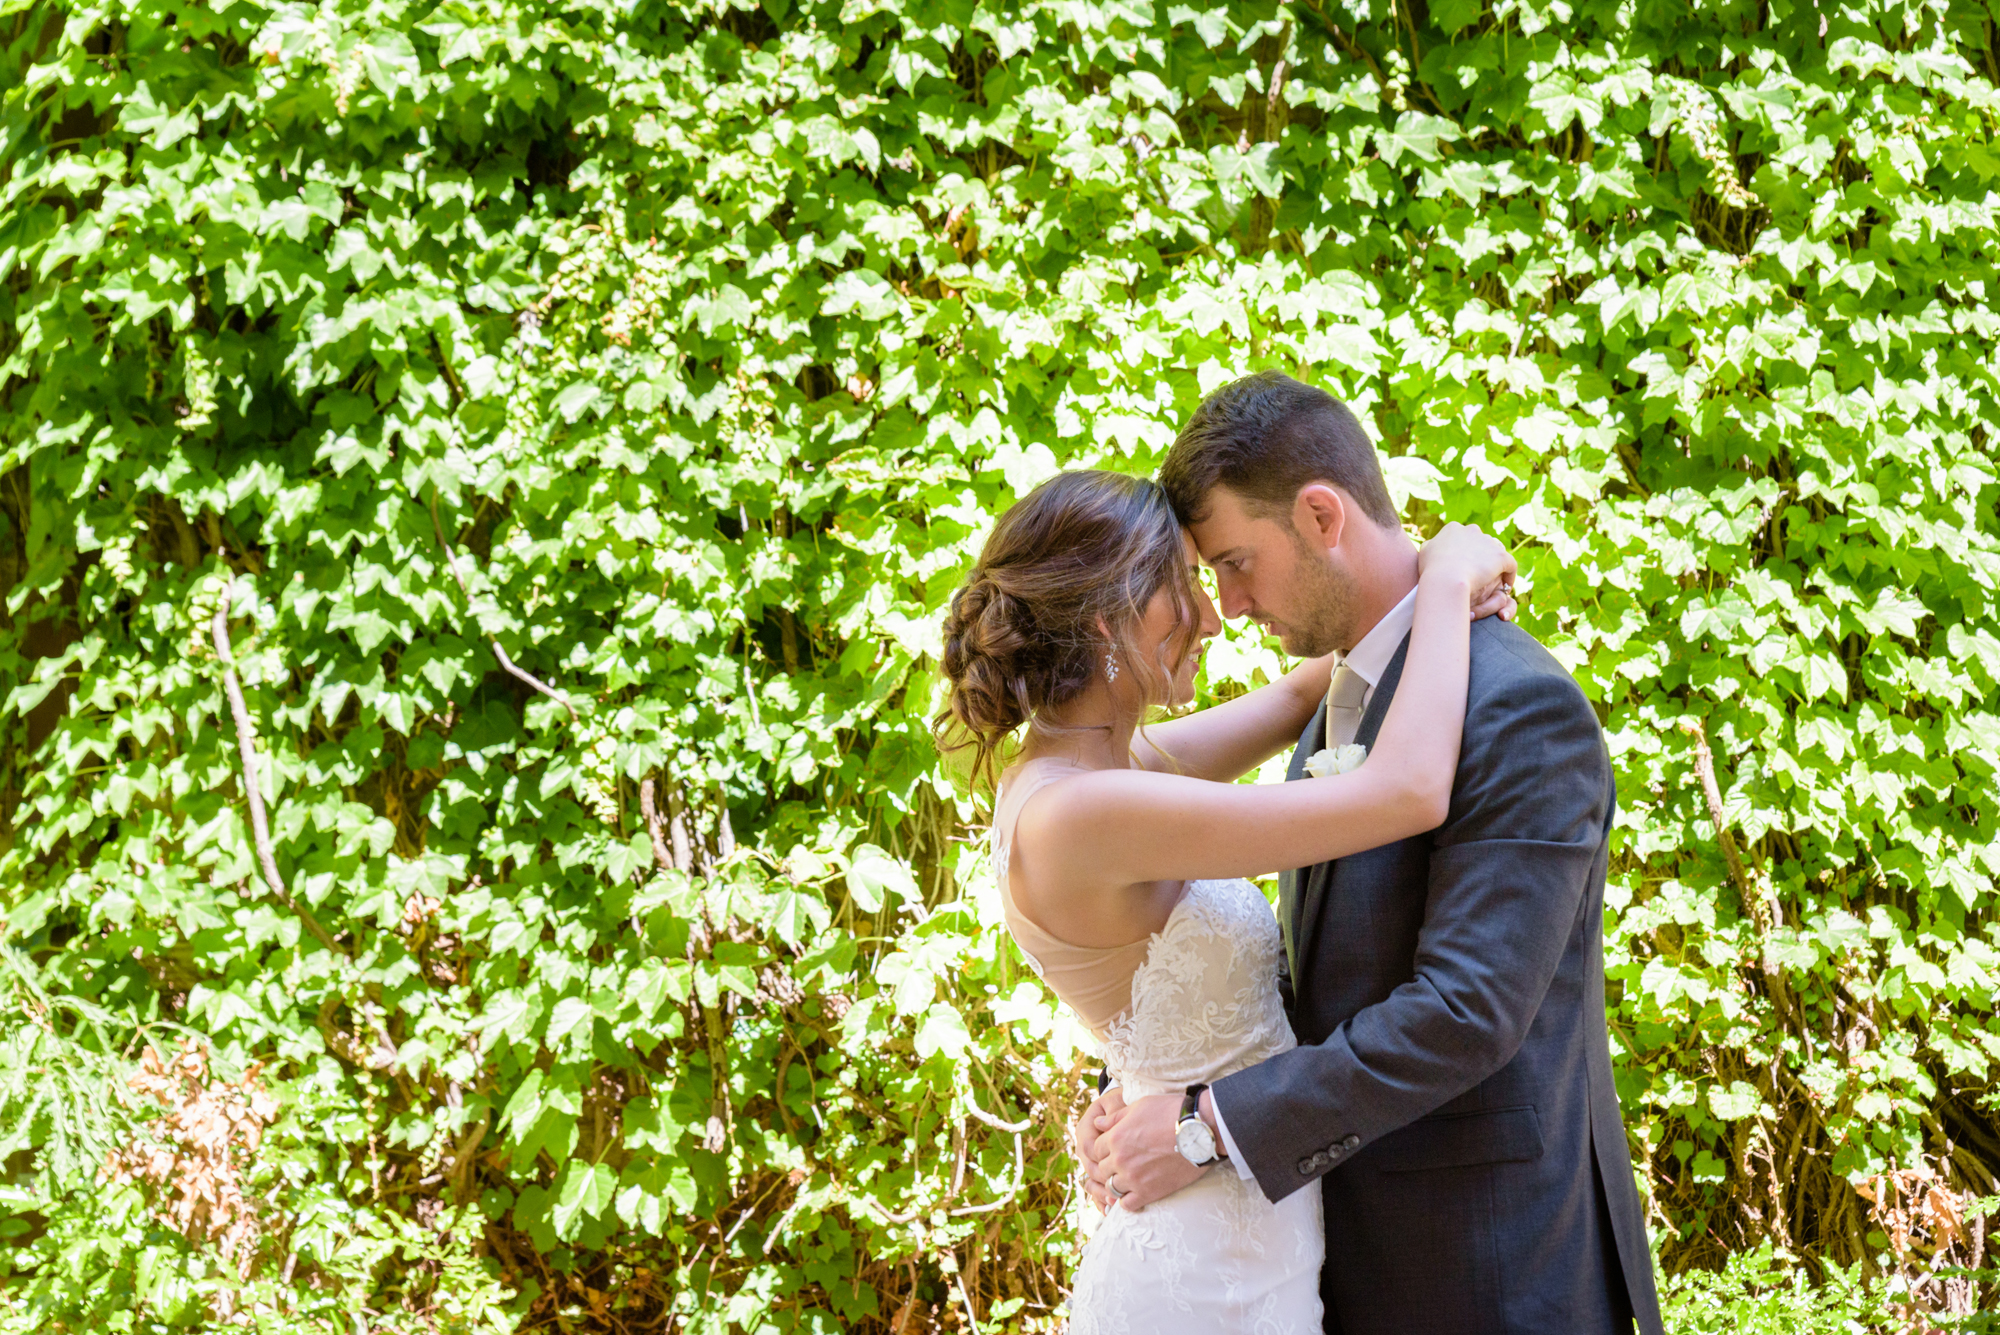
{"x": 1111, "y": 1185}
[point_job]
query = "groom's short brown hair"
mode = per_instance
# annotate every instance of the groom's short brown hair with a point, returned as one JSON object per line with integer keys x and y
{"x": 1264, "y": 437}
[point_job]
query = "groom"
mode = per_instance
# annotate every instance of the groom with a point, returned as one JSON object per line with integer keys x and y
{"x": 1451, "y": 1095}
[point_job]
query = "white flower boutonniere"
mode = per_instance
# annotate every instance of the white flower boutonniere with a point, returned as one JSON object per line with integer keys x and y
{"x": 1338, "y": 760}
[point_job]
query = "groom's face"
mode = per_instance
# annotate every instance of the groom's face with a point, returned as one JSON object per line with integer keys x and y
{"x": 1270, "y": 571}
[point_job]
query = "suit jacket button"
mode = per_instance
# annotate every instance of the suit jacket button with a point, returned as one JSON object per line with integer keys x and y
{"x": 1333, "y": 1153}
{"x": 1351, "y": 1144}
{"x": 1305, "y": 1167}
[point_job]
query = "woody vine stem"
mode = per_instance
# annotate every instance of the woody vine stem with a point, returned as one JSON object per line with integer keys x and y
{"x": 246, "y": 750}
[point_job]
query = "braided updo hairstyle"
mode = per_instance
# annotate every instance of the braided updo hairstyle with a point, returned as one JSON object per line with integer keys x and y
{"x": 1085, "y": 549}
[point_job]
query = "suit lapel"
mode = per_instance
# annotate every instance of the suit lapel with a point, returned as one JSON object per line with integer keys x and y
{"x": 1317, "y": 880}
{"x": 1385, "y": 691}
{"x": 1288, "y": 881}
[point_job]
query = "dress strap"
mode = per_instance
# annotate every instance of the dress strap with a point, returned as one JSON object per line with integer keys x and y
{"x": 1025, "y": 786}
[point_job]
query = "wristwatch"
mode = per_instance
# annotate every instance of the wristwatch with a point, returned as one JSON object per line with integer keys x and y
{"x": 1192, "y": 1137}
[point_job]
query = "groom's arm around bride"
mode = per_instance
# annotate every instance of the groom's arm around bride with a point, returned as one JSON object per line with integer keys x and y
{"x": 1449, "y": 1003}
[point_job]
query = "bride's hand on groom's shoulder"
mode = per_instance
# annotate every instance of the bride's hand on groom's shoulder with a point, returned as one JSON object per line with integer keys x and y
{"x": 1464, "y": 553}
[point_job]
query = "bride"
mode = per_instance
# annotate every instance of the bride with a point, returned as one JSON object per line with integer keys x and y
{"x": 1121, "y": 849}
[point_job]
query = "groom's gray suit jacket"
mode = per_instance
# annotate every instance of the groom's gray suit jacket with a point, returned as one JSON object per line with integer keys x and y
{"x": 1452, "y": 1091}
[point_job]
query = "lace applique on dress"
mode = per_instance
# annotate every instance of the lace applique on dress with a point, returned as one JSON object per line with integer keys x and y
{"x": 1205, "y": 1003}
{"x": 1216, "y": 1256}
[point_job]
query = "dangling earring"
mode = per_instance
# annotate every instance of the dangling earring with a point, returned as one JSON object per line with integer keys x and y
{"x": 1111, "y": 665}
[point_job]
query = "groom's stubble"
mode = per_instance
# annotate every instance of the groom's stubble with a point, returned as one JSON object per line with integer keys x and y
{"x": 1326, "y": 602}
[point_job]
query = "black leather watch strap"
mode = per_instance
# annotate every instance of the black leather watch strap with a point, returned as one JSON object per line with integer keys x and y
{"x": 1192, "y": 1103}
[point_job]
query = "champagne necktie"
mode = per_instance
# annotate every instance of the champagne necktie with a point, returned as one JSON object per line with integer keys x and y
{"x": 1343, "y": 705}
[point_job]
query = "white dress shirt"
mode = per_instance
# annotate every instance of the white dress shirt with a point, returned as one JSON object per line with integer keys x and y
{"x": 1368, "y": 660}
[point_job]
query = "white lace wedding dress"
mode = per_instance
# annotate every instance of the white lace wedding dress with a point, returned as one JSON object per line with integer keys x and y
{"x": 1215, "y": 1257}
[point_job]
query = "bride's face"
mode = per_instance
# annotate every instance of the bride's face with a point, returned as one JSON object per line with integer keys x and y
{"x": 1160, "y": 631}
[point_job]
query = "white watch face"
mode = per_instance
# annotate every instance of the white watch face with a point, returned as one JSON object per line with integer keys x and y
{"x": 1195, "y": 1141}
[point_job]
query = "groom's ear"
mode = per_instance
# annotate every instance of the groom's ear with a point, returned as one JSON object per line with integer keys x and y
{"x": 1320, "y": 514}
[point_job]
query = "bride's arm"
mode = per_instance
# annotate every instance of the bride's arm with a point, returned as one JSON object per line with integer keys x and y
{"x": 1229, "y": 740}
{"x": 1121, "y": 827}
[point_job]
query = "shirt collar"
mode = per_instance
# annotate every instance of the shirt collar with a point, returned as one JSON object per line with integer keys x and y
{"x": 1370, "y": 658}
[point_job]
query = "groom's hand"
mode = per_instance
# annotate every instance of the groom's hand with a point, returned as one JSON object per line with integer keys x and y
{"x": 1088, "y": 1135}
{"x": 1138, "y": 1154}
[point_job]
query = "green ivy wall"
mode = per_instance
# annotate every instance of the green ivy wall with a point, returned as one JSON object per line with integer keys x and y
{"x": 529, "y": 446}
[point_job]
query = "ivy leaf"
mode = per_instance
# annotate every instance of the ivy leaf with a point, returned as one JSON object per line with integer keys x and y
{"x": 1415, "y": 134}
{"x": 865, "y": 294}
{"x": 577, "y": 399}
{"x": 524, "y": 1108}
{"x": 727, "y": 305}
{"x": 1454, "y": 15}
{"x": 1734, "y": 1102}
{"x": 585, "y": 1191}
{"x": 1561, "y": 98}
{"x": 391, "y": 62}
{"x": 872, "y": 875}
{"x": 799, "y": 914}
{"x": 1893, "y": 613}
{"x": 567, "y": 1014}
{"x": 942, "y": 1030}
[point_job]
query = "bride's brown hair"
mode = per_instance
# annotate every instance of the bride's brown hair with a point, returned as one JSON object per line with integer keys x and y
{"x": 1084, "y": 550}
